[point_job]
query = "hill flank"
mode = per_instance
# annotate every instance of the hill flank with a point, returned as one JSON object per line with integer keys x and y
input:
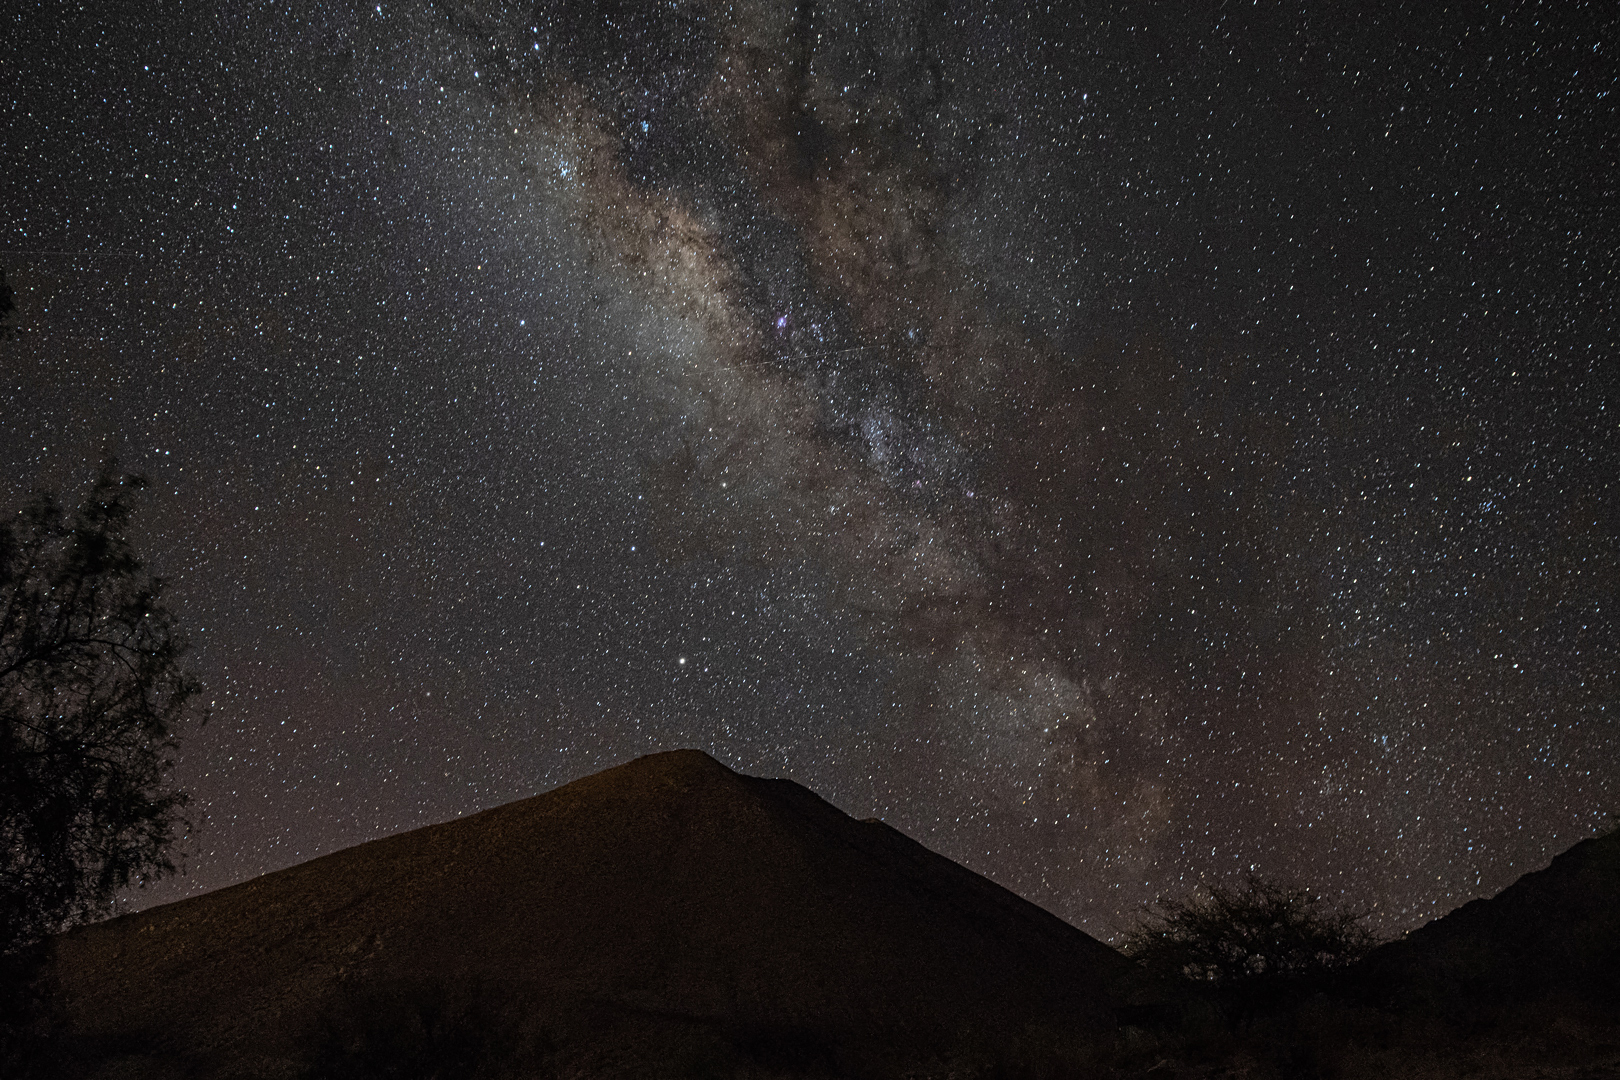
{"x": 666, "y": 917}
{"x": 1552, "y": 936}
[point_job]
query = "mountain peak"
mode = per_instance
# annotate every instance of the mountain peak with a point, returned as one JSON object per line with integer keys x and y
{"x": 666, "y": 902}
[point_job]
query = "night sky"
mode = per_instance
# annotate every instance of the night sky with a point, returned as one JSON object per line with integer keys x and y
{"x": 1117, "y": 444}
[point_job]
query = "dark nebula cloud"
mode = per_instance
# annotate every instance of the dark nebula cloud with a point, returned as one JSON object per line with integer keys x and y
{"x": 1116, "y": 447}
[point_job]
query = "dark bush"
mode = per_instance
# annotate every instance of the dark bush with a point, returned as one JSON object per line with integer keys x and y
{"x": 1263, "y": 932}
{"x": 426, "y": 1032}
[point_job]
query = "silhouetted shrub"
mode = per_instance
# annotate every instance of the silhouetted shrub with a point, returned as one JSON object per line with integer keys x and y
{"x": 426, "y": 1032}
{"x": 1240, "y": 937}
{"x": 788, "y": 1050}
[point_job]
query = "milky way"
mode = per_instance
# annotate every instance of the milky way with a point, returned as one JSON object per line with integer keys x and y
{"x": 1117, "y": 449}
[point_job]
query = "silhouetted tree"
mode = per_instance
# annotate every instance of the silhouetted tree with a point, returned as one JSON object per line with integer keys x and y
{"x": 91, "y": 693}
{"x": 1262, "y": 932}
{"x": 8, "y": 304}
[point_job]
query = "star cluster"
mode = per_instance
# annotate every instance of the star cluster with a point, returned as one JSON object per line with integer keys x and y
{"x": 1118, "y": 446}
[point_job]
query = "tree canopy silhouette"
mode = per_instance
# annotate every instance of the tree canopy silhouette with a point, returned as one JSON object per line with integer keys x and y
{"x": 91, "y": 694}
{"x": 8, "y": 304}
{"x": 1261, "y": 932}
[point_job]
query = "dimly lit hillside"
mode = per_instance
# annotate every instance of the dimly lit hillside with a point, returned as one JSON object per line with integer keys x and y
{"x": 664, "y": 916}
{"x": 670, "y": 917}
{"x": 1551, "y": 937}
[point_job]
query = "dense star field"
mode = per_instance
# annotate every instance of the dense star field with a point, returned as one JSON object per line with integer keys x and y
{"x": 1116, "y": 444}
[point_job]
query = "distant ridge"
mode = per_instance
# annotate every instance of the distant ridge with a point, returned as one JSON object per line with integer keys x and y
{"x": 666, "y": 917}
{"x": 1553, "y": 935}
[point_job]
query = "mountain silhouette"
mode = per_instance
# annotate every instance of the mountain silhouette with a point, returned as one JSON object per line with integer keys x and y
{"x": 1552, "y": 936}
{"x": 665, "y": 917}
